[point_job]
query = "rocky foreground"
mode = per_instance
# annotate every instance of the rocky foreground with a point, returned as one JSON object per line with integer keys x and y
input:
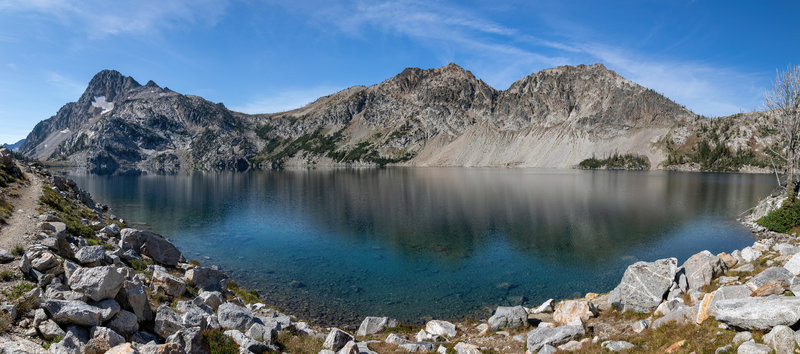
{"x": 86, "y": 283}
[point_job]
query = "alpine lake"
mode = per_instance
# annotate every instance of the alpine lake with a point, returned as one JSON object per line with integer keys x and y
{"x": 333, "y": 246}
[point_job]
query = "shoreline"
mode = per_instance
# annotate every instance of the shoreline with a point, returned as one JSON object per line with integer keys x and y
{"x": 580, "y": 314}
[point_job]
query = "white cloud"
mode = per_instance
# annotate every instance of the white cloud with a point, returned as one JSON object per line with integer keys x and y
{"x": 67, "y": 85}
{"x": 99, "y": 19}
{"x": 285, "y": 100}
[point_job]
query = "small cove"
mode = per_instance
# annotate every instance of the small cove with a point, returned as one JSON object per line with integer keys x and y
{"x": 333, "y": 246}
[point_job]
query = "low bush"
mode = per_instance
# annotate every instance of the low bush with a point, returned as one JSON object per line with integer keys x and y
{"x": 218, "y": 343}
{"x": 784, "y": 218}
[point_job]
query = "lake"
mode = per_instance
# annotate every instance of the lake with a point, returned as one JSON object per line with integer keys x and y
{"x": 333, "y": 246}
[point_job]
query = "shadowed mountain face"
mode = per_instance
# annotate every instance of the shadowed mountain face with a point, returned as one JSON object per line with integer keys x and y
{"x": 437, "y": 117}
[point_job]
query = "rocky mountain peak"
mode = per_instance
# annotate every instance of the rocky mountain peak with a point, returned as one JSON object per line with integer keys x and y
{"x": 109, "y": 84}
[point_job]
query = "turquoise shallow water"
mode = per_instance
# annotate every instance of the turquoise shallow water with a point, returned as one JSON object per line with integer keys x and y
{"x": 334, "y": 246}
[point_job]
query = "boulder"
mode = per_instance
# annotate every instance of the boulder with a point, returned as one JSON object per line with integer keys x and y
{"x": 49, "y": 330}
{"x": 670, "y": 305}
{"x": 6, "y": 256}
{"x": 108, "y": 335}
{"x": 246, "y": 342}
{"x": 750, "y": 254}
{"x": 372, "y": 325}
{"x": 781, "y": 339}
{"x": 751, "y": 347}
{"x": 108, "y": 308}
{"x": 466, "y": 348}
{"x": 69, "y": 344}
{"x": 441, "y": 328}
{"x": 702, "y": 268}
{"x": 193, "y": 341}
{"x": 573, "y": 311}
{"x": 172, "y": 285}
{"x": 336, "y": 339}
{"x": 552, "y": 336}
{"x": 419, "y": 346}
{"x": 757, "y": 313}
{"x": 770, "y": 274}
{"x": 125, "y": 322}
{"x": 90, "y": 254}
{"x": 616, "y": 345}
{"x": 682, "y": 316}
{"x": 729, "y": 260}
{"x": 44, "y": 262}
{"x": 773, "y": 287}
{"x": 167, "y": 321}
{"x": 793, "y": 265}
{"x": 73, "y": 312}
{"x": 786, "y": 249}
{"x": 262, "y": 333}
{"x": 111, "y": 230}
{"x": 508, "y": 317}
{"x": 640, "y": 326}
{"x": 133, "y": 298}
{"x": 395, "y": 339}
{"x": 546, "y": 307}
{"x": 643, "y": 285}
{"x": 150, "y": 244}
{"x": 208, "y": 279}
{"x": 547, "y": 349}
{"x": 212, "y": 299}
{"x": 98, "y": 283}
{"x": 742, "y": 337}
{"x": 8, "y": 313}
{"x": 234, "y": 317}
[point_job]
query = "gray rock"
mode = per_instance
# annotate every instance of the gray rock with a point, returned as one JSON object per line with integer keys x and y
{"x": 6, "y": 256}
{"x": 193, "y": 341}
{"x": 372, "y": 325}
{"x": 670, "y": 305}
{"x": 208, "y": 279}
{"x": 107, "y": 334}
{"x": 21, "y": 346}
{"x": 262, "y": 333}
{"x": 195, "y": 318}
{"x": 246, "y": 342}
{"x": 547, "y": 349}
{"x": 234, "y": 317}
{"x": 133, "y": 298}
{"x": 751, "y": 347}
{"x": 49, "y": 330}
{"x": 643, "y": 285}
{"x": 70, "y": 344}
{"x": 211, "y": 298}
{"x": 640, "y": 326}
{"x": 770, "y": 274}
{"x": 91, "y": 254}
{"x": 466, "y": 348}
{"x": 781, "y": 339}
{"x": 546, "y": 307}
{"x": 419, "y": 346}
{"x": 757, "y": 313}
{"x": 111, "y": 230}
{"x": 350, "y": 348}
{"x": 724, "y": 349}
{"x": 98, "y": 283}
{"x": 552, "y": 335}
{"x": 616, "y": 345}
{"x": 125, "y": 322}
{"x": 336, "y": 339}
{"x": 702, "y": 268}
{"x": 8, "y": 313}
{"x": 441, "y": 328}
{"x": 172, "y": 285}
{"x": 793, "y": 265}
{"x": 750, "y": 254}
{"x": 508, "y": 317}
{"x": 786, "y": 249}
{"x": 150, "y": 244}
{"x": 167, "y": 322}
{"x": 108, "y": 308}
{"x": 746, "y": 268}
{"x": 73, "y": 312}
{"x": 683, "y": 315}
{"x": 742, "y": 337}
{"x": 395, "y": 339}
{"x": 44, "y": 262}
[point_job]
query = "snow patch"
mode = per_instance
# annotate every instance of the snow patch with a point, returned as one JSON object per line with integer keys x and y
{"x": 65, "y": 131}
{"x": 100, "y": 101}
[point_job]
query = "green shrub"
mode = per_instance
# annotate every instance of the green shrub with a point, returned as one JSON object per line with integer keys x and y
{"x": 19, "y": 289}
{"x": 784, "y": 218}
{"x": 7, "y": 275}
{"x": 218, "y": 343}
{"x": 617, "y": 162}
{"x": 70, "y": 214}
{"x": 18, "y": 251}
{"x": 248, "y": 296}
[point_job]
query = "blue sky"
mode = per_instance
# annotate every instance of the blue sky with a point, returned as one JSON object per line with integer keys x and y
{"x": 715, "y": 57}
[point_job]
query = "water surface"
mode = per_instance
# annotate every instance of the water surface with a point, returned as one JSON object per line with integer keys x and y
{"x": 334, "y": 246}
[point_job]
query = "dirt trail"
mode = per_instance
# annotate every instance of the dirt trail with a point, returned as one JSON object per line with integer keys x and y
{"x": 21, "y": 227}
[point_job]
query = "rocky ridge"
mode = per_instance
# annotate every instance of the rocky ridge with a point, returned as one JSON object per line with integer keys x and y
{"x": 437, "y": 117}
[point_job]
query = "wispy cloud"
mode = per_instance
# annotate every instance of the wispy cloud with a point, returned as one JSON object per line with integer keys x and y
{"x": 98, "y": 19}
{"x": 285, "y": 100}
{"x": 65, "y": 84}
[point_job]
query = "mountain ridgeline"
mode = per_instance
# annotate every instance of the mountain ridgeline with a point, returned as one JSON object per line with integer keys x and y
{"x": 438, "y": 117}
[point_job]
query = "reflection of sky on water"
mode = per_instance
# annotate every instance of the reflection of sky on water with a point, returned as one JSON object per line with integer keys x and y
{"x": 438, "y": 242}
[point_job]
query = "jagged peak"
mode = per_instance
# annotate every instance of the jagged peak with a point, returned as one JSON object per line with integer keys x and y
{"x": 108, "y": 83}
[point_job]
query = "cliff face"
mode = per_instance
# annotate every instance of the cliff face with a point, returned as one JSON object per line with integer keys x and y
{"x": 436, "y": 117}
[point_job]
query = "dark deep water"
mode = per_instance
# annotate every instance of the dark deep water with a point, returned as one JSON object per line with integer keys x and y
{"x": 334, "y": 246}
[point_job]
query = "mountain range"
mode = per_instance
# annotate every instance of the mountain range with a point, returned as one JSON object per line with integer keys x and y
{"x": 554, "y": 118}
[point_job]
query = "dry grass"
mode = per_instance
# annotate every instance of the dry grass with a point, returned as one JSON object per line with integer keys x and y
{"x": 705, "y": 338}
{"x": 291, "y": 342}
